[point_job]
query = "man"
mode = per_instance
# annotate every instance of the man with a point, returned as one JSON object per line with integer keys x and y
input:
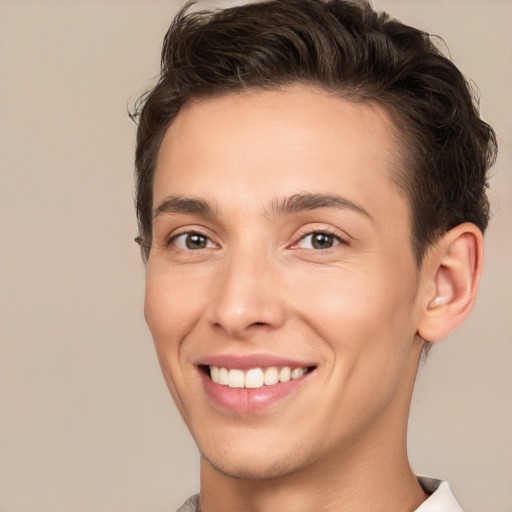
{"x": 311, "y": 199}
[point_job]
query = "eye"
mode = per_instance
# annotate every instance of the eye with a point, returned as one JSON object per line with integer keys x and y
{"x": 318, "y": 240}
{"x": 191, "y": 241}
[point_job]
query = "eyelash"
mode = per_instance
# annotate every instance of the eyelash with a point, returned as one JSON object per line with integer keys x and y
{"x": 172, "y": 240}
{"x": 325, "y": 232}
{"x": 337, "y": 240}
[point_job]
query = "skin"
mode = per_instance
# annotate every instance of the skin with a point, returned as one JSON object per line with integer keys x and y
{"x": 259, "y": 286}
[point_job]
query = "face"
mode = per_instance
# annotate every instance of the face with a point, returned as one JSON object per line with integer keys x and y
{"x": 281, "y": 290}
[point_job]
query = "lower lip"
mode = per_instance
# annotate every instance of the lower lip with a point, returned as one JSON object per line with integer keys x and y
{"x": 250, "y": 400}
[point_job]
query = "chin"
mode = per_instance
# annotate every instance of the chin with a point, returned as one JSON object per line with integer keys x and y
{"x": 263, "y": 467}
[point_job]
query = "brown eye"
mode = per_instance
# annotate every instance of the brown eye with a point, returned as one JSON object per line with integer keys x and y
{"x": 192, "y": 241}
{"x": 322, "y": 241}
{"x": 318, "y": 240}
{"x": 196, "y": 241}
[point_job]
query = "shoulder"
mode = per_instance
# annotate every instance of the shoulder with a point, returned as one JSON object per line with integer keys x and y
{"x": 190, "y": 505}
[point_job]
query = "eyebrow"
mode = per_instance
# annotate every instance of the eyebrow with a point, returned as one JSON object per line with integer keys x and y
{"x": 178, "y": 204}
{"x": 284, "y": 206}
{"x": 304, "y": 202}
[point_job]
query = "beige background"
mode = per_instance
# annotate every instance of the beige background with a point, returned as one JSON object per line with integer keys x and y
{"x": 86, "y": 423}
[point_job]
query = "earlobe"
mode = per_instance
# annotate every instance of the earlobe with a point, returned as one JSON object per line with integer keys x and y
{"x": 453, "y": 273}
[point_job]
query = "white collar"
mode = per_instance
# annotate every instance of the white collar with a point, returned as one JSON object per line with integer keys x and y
{"x": 441, "y": 499}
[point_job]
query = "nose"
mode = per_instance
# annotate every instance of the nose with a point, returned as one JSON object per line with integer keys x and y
{"x": 248, "y": 297}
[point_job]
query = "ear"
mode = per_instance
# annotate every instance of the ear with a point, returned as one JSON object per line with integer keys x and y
{"x": 451, "y": 276}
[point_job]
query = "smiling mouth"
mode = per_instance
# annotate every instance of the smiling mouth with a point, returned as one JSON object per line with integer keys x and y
{"x": 255, "y": 378}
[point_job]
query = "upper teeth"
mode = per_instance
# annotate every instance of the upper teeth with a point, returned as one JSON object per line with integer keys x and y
{"x": 255, "y": 377}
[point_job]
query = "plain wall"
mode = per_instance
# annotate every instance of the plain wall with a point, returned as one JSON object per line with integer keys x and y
{"x": 86, "y": 422}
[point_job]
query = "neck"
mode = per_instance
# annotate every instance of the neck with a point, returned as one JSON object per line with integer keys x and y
{"x": 378, "y": 479}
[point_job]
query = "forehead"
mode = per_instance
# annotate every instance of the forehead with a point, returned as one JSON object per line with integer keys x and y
{"x": 259, "y": 145}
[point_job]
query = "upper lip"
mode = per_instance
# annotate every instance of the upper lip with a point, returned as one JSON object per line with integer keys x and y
{"x": 245, "y": 362}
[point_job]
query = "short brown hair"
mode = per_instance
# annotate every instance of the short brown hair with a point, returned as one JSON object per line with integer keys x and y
{"x": 353, "y": 52}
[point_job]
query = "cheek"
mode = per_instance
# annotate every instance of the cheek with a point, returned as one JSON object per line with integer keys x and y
{"x": 357, "y": 310}
{"x": 169, "y": 312}
{"x": 170, "y": 306}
